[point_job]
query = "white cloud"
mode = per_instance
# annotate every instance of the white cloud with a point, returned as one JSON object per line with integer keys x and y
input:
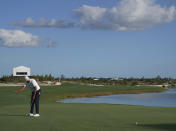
{"x": 18, "y": 38}
{"x": 29, "y": 22}
{"x": 90, "y": 15}
{"x": 128, "y": 15}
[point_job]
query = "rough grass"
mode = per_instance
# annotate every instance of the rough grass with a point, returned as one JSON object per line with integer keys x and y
{"x": 74, "y": 90}
{"x": 81, "y": 117}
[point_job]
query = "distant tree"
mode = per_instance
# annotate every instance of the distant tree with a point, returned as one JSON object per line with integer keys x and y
{"x": 62, "y": 77}
{"x": 158, "y": 77}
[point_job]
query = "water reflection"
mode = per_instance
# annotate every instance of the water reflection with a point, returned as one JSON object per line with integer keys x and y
{"x": 164, "y": 99}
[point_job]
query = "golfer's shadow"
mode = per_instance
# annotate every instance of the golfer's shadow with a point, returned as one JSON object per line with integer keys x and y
{"x": 12, "y": 115}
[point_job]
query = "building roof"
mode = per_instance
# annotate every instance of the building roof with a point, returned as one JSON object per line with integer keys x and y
{"x": 21, "y": 67}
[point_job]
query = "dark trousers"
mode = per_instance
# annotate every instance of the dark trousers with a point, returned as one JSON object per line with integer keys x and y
{"x": 35, "y": 101}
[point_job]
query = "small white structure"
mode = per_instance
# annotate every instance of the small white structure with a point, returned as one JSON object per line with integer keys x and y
{"x": 58, "y": 83}
{"x": 21, "y": 71}
{"x": 117, "y": 79}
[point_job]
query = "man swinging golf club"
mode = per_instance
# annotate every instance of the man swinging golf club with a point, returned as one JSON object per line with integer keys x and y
{"x": 35, "y": 97}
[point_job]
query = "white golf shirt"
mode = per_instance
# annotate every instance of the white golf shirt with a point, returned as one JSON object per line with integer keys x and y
{"x": 32, "y": 84}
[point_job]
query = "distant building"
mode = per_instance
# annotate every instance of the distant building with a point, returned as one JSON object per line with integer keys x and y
{"x": 21, "y": 71}
{"x": 117, "y": 79}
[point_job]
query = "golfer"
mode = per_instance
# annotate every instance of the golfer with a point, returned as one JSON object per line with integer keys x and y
{"x": 35, "y": 97}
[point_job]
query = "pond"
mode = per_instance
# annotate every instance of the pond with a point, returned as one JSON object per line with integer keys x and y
{"x": 164, "y": 99}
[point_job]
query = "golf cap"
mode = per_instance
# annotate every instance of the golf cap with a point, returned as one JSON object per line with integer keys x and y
{"x": 27, "y": 78}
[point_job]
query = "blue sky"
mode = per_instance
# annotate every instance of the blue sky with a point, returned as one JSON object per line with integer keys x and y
{"x": 101, "y": 43}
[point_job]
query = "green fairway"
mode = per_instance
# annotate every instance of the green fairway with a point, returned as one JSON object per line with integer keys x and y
{"x": 81, "y": 117}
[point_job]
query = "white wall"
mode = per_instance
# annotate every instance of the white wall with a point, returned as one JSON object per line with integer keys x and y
{"x": 20, "y": 70}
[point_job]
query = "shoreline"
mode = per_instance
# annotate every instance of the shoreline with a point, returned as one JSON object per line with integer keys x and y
{"x": 165, "y": 99}
{"x": 84, "y": 95}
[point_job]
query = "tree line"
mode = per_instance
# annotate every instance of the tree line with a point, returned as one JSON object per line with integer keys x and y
{"x": 16, "y": 79}
{"x": 126, "y": 81}
{"x": 92, "y": 80}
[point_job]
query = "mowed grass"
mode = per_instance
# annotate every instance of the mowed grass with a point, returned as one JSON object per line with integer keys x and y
{"x": 81, "y": 117}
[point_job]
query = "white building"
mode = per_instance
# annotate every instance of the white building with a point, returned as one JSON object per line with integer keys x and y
{"x": 21, "y": 71}
{"x": 117, "y": 79}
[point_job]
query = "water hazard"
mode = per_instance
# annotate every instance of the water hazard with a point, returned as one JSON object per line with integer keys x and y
{"x": 164, "y": 99}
